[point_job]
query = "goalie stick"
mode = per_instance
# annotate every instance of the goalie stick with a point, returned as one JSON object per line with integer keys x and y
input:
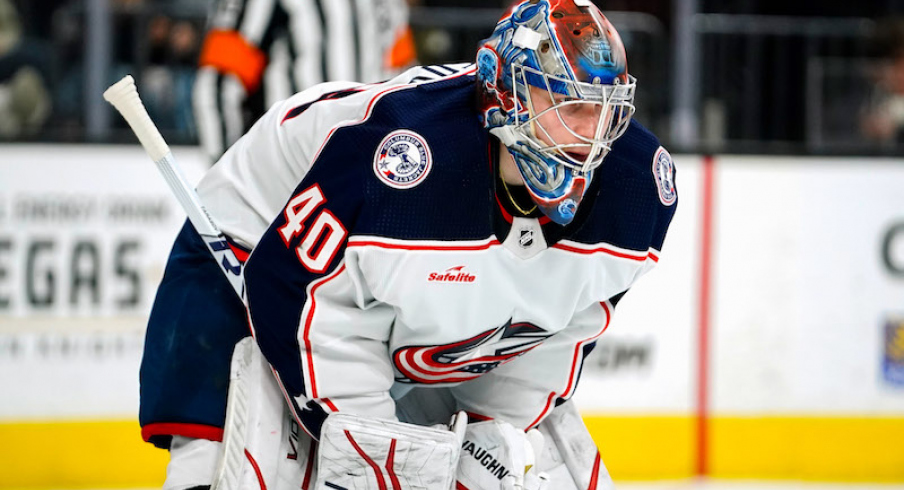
{"x": 123, "y": 95}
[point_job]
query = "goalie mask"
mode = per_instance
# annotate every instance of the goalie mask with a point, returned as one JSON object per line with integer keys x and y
{"x": 555, "y": 90}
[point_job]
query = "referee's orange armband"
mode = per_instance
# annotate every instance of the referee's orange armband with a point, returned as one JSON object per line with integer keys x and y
{"x": 403, "y": 53}
{"x": 229, "y": 52}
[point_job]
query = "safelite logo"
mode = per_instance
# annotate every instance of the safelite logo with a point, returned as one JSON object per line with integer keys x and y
{"x": 452, "y": 274}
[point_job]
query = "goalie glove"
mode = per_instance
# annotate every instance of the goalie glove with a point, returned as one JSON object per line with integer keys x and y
{"x": 496, "y": 455}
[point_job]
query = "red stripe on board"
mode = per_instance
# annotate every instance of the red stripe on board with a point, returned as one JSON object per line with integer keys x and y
{"x": 639, "y": 258}
{"x": 195, "y": 431}
{"x": 379, "y": 474}
{"x": 706, "y": 250}
{"x": 257, "y": 470}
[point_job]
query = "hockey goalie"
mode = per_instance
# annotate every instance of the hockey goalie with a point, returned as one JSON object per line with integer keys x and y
{"x": 427, "y": 261}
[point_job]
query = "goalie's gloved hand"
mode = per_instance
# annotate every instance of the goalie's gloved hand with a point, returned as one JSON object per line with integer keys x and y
{"x": 495, "y": 454}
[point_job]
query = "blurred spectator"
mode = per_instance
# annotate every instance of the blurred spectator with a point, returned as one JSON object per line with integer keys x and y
{"x": 24, "y": 99}
{"x": 69, "y": 36}
{"x": 151, "y": 40}
{"x": 37, "y": 17}
{"x": 257, "y": 52}
{"x": 167, "y": 80}
{"x": 883, "y": 119}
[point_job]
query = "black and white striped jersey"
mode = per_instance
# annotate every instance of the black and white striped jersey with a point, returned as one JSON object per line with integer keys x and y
{"x": 258, "y": 52}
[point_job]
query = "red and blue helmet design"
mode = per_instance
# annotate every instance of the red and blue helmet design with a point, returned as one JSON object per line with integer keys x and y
{"x": 555, "y": 90}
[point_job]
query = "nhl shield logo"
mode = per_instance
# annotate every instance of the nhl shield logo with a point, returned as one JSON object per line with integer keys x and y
{"x": 664, "y": 173}
{"x": 526, "y": 239}
{"x": 403, "y": 159}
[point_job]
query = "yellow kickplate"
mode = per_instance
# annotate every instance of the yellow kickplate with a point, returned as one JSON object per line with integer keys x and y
{"x": 78, "y": 454}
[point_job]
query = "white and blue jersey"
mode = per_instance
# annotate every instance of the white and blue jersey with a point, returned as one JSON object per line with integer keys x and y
{"x": 382, "y": 259}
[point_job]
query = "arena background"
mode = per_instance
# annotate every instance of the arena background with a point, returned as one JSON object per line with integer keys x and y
{"x": 768, "y": 344}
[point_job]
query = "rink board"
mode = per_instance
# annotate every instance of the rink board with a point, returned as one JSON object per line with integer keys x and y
{"x": 634, "y": 447}
{"x": 803, "y": 295}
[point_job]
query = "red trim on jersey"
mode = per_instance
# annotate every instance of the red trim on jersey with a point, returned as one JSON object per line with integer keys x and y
{"x": 239, "y": 253}
{"x": 330, "y": 404}
{"x": 379, "y": 474}
{"x": 307, "y": 328}
{"x": 389, "y": 467}
{"x": 257, "y": 470}
{"x": 575, "y": 361}
{"x": 595, "y": 476}
{"x": 195, "y": 431}
{"x": 650, "y": 254}
{"x": 544, "y": 412}
{"x": 398, "y": 246}
{"x": 459, "y": 486}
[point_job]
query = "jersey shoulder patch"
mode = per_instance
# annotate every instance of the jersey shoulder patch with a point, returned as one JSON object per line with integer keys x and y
{"x": 664, "y": 172}
{"x": 403, "y": 159}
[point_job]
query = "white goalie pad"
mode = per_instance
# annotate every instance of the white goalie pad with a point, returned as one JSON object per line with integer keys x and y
{"x": 262, "y": 446}
{"x": 363, "y": 453}
{"x": 570, "y": 456}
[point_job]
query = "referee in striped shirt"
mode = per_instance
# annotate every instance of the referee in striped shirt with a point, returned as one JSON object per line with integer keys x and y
{"x": 257, "y": 52}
